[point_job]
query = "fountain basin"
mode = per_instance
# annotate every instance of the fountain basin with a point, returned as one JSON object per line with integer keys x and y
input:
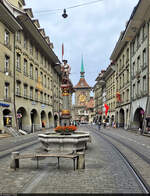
{"x": 56, "y": 142}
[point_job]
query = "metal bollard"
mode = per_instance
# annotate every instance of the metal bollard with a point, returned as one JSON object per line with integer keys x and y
{"x": 15, "y": 161}
{"x": 81, "y": 160}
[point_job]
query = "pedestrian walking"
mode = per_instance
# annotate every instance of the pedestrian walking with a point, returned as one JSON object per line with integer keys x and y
{"x": 141, "y": 131}
{"x": 99, "y": 125}
{"x": 104, "y": 123}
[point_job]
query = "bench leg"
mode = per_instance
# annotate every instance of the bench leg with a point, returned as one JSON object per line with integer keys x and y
{"x": 74, "y": 163}
{"x": 58, "y": 163}
{"x": 81, "y": 160}
{"x": 37, "y": 162}
{"x": 17, "y": 163}
{"x": 15, "y": 160}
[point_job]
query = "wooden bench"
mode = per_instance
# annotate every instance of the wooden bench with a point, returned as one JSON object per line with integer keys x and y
{"x": 74, "y": 156}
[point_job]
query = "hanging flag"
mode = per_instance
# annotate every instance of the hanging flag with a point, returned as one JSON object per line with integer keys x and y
{"x": 118, "y": 96}
{"x": 62, "y": 50}
{"x": 107, "y": 108}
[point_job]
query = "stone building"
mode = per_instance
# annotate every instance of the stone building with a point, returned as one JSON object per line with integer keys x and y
{"x": 121, "y": 60}
{"x": 31, "y": 72}
{"x": 82, "y": 97}
{"x": 90, "y": 109}
{"x": 8, "y": 27}
{"x": 137, "y": 34}
{"x": 109, "y": 77}
{"x": 130, "y": 60}
{"x": 100, "y": 97}
{"x": 105, "y": 93}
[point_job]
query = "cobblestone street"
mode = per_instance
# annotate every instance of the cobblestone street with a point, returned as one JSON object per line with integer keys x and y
{"x": 105, "y": 172}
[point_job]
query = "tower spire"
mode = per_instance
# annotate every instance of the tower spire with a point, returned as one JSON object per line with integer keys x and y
{"x": 82, "y": 69}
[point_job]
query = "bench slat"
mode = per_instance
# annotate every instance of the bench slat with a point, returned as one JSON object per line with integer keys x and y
{"x": 24, "y": 156}
{"x": 57, "y": 155}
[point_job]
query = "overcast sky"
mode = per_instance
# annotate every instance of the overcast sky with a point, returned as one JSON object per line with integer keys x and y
{"x": 91, "y": 30}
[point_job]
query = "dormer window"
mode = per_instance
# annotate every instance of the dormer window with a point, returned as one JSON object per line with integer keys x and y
{"x": 19, "y": 5}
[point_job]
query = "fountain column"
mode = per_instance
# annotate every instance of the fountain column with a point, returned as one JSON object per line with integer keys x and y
{"x": 65, "y": 113}
{"x": 66, "y": 88}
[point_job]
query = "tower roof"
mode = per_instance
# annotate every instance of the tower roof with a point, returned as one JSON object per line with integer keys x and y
{"x": 82, "y": 82}
{"x": 82, "y": 69}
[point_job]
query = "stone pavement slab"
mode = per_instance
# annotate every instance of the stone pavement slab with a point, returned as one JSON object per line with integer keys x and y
{"x": 104, "y": 172}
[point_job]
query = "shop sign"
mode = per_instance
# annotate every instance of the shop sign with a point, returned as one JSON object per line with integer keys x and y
{"x": 43, "y": 105}
{"x": 4, "y": 105}
{"x": 33, "y": 103}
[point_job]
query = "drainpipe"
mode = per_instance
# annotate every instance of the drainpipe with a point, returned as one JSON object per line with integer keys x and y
{"x": 14, "y": 84}
{"x": 130, "y": 86}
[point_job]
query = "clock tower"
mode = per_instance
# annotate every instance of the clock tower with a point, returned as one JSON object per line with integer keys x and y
{"x": 82, "y": 97}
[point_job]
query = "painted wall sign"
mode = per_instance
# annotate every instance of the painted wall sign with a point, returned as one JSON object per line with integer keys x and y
{"x": 4, "y": 105}
{"x": 33, "y": 103}
{"x": 43, "y": 105}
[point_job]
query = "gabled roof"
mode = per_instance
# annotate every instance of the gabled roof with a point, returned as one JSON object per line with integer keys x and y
{"x": 29, "y": 12}
{"x": 42, "y": 32}
{"x": 82, "y": 84}
{"x": 36, "y": 22}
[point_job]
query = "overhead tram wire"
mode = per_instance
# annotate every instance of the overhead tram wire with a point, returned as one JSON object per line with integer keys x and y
{"x": 71, "y": 7}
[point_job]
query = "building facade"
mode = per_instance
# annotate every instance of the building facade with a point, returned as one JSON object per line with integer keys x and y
{"x": 31, "y": 72}
{"x": 99, "y": 97}
{"x": 8, "y": 27}
{"x": 82, "y": 97}
{"x": 130, "y": 60}
{"x": 121, "y": 61}
{"x": 110, "y": 91}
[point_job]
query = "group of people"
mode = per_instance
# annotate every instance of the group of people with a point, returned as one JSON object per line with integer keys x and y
{"x": 104, "y": 123}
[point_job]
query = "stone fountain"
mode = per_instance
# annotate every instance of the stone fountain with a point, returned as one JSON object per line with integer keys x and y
{"x": 57, "y": 142}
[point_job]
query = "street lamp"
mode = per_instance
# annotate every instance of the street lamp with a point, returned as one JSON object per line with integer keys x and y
{"x": 64, "y": 15}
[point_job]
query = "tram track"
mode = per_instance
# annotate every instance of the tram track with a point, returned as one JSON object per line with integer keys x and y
{"x": 135, "y": 172}
{"x": 20, "y": 145}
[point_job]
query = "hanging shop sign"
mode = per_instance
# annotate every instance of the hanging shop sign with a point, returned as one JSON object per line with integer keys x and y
{"x": 43, "y": 105}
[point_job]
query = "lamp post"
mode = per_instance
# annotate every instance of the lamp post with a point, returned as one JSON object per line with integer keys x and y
{"x": 64, "y": 15}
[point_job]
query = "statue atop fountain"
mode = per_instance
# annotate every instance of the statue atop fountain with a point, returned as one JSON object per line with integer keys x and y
{"x": 66, "y": 87}
{"x": 65, "y": 69}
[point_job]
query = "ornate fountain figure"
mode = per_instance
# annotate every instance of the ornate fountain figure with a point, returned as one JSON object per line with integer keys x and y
{"x": 66, "y": 87}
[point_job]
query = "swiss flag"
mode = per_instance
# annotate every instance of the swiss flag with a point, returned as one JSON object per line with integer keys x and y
{"x": 107, "y": 108}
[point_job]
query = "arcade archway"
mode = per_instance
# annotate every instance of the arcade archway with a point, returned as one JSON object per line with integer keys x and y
{"x": 34, "y": 120}
{"x": 7, "y": 118}
{"x": 43, "y": 119}
{"x": 50, "y": 119}
{"x": 121, "y": 118}
{"x": 55, "y": 120}
{"x": 21, "y": 117}
{"x": 138, "y": 118}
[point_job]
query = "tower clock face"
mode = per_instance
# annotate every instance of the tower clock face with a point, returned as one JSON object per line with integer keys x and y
{"x": 82, "y": 98}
